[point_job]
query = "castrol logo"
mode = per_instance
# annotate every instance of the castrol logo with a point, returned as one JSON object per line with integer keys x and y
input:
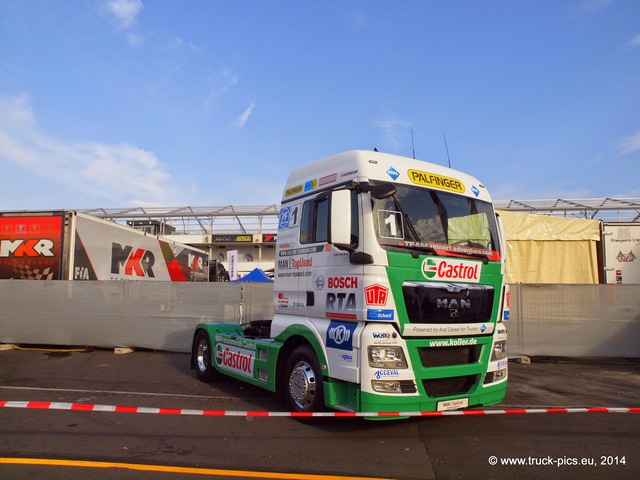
{"x": 237, "y": 359}
{"x": 447, "y": 269}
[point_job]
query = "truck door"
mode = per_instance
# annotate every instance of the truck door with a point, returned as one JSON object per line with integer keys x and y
{"x": 333, "y": 283}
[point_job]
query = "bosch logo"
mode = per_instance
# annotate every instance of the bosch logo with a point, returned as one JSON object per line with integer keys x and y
{"x": 342, "y": 282}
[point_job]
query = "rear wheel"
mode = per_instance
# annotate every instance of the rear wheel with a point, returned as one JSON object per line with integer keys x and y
{"x": 202, "y": 358}
{"x": 303, "y": 386}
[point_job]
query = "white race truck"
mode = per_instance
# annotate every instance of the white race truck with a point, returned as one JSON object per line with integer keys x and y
{"x": 389, "y": 293}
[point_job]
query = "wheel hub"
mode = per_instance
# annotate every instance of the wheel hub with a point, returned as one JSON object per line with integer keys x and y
{"x": 302, "y": 385}
{"x": 201, "y": 355}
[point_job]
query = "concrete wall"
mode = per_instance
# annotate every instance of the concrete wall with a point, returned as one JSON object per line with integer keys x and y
{"x": 546, "y": 320}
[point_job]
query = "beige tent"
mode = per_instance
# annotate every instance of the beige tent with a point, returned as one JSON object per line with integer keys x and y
{"x": 545, "y": 249}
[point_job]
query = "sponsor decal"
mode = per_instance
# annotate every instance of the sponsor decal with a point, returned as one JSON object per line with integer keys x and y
{"x": 346, "y": 357}
{"x": 231, "y": 238}
{"x": 475, "y": 190}
{"x": 27, "y": 248}
{"x": 453, "y": 342}
{"x": 320, "y": 282}
{"x": 438, "y": 330}
{"x": 393, "y": 173}
{"x": 285, "y": 213}
{"x": 502, "y": 363}
{"x": 293, "y": 191}
{"x": 310, "y": 185}
{"x": 283, "y": 300}
{"x": 340, "y": 305}
{"x": 300, "y": 251}
{"x": 437, "y": 181}
{"x": 131, "y": 262}
{"x": 380, "y": 315}
{"x": 328, "y": 179}
{"x": 342, "y": 282}
{"x": 297, "y": 263}
{"x": 626, "y": 257}
{"x": 386, "y": 373}
{"x": 340, "y": 335}
{"x": 384, "y": 335}
{"x": 236, "y": 342}
{"x": 376, "y": 294}
{"x": 348, "y": 174}
{"x": 448, "y": 269}
{"x": 235, "y": 359}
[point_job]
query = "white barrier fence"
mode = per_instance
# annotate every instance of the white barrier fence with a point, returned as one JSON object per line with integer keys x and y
{"x": 154, "y": 315}
{"x": 546, "y": 320}
{"x": 575, "y": 320}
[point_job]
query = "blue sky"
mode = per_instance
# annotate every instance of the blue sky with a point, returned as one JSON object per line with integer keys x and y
{"x": 118, "y": 103}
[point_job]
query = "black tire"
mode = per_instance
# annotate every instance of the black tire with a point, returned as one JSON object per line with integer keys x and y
{"x": 303, "y": 387}
{"x": 202, "y": 358}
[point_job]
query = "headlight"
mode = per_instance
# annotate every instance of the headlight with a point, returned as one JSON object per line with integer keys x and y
{"x": 386, "y": 386}
{"x": 499, "y": 350}
{"x": 386, "y": 357}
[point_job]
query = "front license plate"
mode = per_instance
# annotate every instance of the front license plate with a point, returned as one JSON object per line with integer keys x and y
{"x": 453, "y": 404}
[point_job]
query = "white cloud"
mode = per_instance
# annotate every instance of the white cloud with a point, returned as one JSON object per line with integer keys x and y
{"x": 242, "y": 119}
{"x": 635, "y": 41}
{"x": 630, "y": 144}
{"x": 394, "y": 131}
{"x": 228, "y": 80}
{"x": 124, "y": 14}
{"x": 587, "y": 7}
{"x": 122, "y": 174}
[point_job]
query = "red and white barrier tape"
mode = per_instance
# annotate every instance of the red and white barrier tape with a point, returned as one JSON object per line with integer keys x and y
{"x": 87, "y": 407}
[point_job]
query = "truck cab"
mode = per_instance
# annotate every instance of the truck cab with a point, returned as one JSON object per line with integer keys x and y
{"x": 389, "y": 291}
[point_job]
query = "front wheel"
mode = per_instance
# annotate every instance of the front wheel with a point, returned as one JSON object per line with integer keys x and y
{"x": 303, "y": 386}
{"x": 202, "y": 358}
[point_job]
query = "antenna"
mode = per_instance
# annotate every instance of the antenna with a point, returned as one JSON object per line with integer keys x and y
{"x": 413, "y": 145}
{"x": 447, "y": 147}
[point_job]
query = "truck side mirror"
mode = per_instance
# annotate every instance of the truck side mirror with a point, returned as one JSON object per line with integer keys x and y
{"x": 341, "y": 218}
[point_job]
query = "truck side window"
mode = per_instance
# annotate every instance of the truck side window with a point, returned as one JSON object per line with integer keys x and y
{"x": 314, "y": 225}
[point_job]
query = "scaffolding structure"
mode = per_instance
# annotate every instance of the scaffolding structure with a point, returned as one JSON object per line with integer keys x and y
{"x": 229, "y": 219}
{"x": 614, "y": 210}
{"x": 263, "y": 219}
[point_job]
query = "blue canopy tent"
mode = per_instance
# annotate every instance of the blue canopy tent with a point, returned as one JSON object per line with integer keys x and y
{"x": 255, "y": 276}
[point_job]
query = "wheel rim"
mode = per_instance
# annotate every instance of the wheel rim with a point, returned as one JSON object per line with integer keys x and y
{"x": 302, "y": 385}
{"x": 201, "y": 355}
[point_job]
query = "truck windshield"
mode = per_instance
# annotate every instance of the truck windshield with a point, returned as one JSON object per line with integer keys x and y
{"x": 423, "y": 220}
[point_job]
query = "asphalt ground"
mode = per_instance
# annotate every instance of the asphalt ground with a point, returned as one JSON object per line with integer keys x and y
{"x": 545, "y": 445}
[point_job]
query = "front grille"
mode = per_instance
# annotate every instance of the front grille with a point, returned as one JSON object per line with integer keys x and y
{"x": 447, "y": 303}
{"x": 408, "y": 386}
{"x": 447, "y": 356}
{"x": 442, "y": 387}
